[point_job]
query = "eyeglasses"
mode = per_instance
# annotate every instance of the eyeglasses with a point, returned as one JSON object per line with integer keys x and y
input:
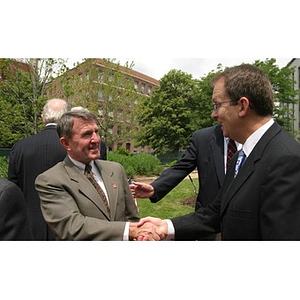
{"x": 217, "y": 105}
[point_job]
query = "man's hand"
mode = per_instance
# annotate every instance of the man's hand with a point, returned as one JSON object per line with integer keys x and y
{"x": 145, "y": 232}
{"x": 161, "y": 225}
{"x": 141, "y": 190}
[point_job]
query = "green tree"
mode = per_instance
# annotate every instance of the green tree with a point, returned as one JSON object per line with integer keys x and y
{"x": 22, "y": 96}
{"x": 182, "y": 105}
{"x": 203, "y": 94}
{"x": 167, "y": 117}
{"x": 283, "y": 86}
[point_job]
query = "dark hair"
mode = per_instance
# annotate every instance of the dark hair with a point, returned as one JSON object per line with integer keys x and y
{"x": 66, "y": 122}
{"x": 251, "y": 82}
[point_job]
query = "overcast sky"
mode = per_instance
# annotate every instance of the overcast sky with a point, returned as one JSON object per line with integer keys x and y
{"x": 198, "y": 67}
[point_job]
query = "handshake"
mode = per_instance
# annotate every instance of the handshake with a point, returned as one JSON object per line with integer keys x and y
{"x": 148, "y": 229}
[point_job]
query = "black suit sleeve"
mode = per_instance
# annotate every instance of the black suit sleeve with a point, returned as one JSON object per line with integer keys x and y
{"x": 199, "y": 224}
{"x": 14, "y": 224}
{"x": 171, "y": 177}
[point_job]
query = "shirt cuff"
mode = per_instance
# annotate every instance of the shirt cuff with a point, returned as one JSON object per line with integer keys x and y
{"x": 126, "y": 232}
{"x": 171, "y": 231}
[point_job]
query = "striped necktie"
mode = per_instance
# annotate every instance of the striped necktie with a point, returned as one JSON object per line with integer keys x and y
{"x": 91, "y": 178}
{"x": 231, "y": 150}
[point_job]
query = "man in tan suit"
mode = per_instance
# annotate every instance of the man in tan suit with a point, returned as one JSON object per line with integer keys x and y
{"x": 71, "y": 205}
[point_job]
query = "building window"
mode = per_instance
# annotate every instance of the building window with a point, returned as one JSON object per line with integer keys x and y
{"x": 143, "y": 88}
{"x": 119, "y": 130}
{"x": 100, "y": 76}
{"x": 100, "y": 95}
{"x": 149, "y": 90}
{"x": 136, "y": 85}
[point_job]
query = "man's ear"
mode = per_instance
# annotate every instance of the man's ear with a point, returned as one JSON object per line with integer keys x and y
{"x": 244, "y": 106}
{"x": 65, "y": 143}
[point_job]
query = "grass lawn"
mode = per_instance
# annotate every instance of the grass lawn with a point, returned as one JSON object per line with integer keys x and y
{"x": 172, "y": 204}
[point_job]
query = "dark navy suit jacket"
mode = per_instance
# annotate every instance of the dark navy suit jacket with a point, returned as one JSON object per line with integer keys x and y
{"x": 261, "y": 203}
{"x": 205, "y": 153}
{"x": 14, "y": 223}
{"x": 29, "y": 158}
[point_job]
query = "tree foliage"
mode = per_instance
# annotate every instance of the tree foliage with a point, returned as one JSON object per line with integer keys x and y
{"x": 166, "y": 116}
{"x": 283, "y": 86}
{"x": 23, "y": 94}
{"x": 182, "y": 105}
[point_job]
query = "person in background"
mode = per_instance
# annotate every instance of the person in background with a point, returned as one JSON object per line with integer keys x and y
{"x": 14, "y": 223}
{"x": 103, "y": 152}
{"x": 84, "y": 198}
{"x": 260, "y": 197}
{"x": 32, "y": 156}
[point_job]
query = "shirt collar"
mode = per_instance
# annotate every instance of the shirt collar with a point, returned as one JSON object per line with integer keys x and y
{"x": 255, "y": 137}
{"x": 80, "y": 165}
{"x": 51, "y": 124}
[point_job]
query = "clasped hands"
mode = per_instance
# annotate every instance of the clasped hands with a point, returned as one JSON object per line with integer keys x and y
{"x": 148, "y": 229}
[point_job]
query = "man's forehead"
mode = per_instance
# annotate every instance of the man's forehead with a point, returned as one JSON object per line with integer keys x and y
{"x": 82, "y": 123}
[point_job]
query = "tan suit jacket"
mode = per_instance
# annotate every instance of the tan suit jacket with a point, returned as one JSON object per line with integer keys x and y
{"x": 73, "y": 208}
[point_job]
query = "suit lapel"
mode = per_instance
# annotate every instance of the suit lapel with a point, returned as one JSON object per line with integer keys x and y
{"x": 84, "y": 186}
{"x": 232, "y": 185}
{"x": 217, "y": 149}
{"x": 110, "y": 186}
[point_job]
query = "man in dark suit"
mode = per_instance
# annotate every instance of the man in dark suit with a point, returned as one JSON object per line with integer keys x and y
{"x": 14, "y": 223}
{"x": 260, "y": 197}
{"x": 103, "y": 152}
{"x": 82, "y": 197}
{"x": 34, "y": 155}
{"x": 206, "y": 153}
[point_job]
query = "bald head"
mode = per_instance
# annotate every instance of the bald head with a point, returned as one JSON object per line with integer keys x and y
{"x": 53, "y": 110}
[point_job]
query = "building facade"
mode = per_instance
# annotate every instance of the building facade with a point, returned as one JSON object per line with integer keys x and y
{"x": 295, "y": 62}
{"x": 112, "y": 92}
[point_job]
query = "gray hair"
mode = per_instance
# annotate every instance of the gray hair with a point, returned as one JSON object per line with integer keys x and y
{"x": 66, "y": 122}
{"x": 54, "y": 109}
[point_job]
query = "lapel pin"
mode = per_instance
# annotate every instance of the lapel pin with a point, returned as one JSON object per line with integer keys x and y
{"x": 115, "y": 186}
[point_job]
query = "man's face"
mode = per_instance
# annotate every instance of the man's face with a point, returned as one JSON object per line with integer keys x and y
{"x": 225, "y": 113}
{"x": 85, "y": 141}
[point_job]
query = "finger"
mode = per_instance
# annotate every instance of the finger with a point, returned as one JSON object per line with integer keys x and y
{"x": 143, "y": 221}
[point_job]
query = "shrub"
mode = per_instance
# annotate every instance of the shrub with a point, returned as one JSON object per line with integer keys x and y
{"x": 139, "y": 164}
{"x": 3, "y": 167}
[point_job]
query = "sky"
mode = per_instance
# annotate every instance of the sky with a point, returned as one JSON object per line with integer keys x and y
{"x": 157, "y": 67}
{"x": 198, "y": 67}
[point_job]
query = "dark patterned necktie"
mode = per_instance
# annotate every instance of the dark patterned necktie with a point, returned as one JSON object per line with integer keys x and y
{"x": 231, "y": 150}
{"x": 91, "y": 178}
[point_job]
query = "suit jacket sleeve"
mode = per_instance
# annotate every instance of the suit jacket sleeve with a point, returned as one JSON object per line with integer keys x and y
{"x": 14, "y": 223}
{"x": 199, "y": 224}
{"x": 172, "y": 176}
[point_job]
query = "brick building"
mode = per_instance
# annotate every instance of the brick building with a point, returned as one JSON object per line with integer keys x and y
{"x": 295, "y": 62}
{"x": 112, "y": 92}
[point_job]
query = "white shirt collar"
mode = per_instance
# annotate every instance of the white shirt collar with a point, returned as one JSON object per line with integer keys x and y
{"x": 255, "y": 137}
{"x": 51, "y": 124}
{"x": 80, "y": 165}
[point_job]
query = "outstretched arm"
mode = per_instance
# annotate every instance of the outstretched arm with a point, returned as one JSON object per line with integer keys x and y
{"x": 141, "y": 190}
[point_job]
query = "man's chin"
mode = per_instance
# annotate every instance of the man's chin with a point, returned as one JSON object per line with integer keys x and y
{"x": 94, "y": 155}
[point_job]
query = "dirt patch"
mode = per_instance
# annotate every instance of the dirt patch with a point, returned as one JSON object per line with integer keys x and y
{"x": 190, "y": 201}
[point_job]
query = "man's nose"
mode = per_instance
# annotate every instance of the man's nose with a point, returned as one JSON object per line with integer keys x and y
{"x": 95, "y": 137}
{"x": 214, "y": 114}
